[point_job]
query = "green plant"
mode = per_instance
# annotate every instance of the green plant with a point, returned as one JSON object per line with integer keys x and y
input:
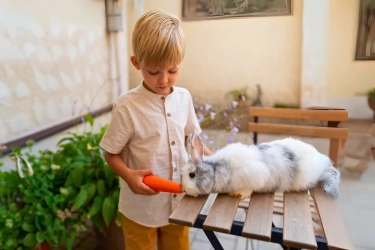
{"x": 32, "y": 204}
{"x": 282, "y": 105}
{"x": 12, "y": 235}
{"x": 92, "y": 186}
{"x": 371, "y": 92}
{"x": 239, "y": 94}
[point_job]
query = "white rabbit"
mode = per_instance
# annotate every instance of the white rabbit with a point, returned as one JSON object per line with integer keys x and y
{"x": 237, "y": 169}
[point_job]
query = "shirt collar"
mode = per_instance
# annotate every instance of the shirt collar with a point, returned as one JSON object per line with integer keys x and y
{"x": 151, "y": 95}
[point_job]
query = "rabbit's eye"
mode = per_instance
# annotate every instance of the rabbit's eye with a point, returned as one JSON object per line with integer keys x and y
{"x": 192, "y": 174}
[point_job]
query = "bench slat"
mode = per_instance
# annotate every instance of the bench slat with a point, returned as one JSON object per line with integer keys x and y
{"x": 187, "y": 210}
{"x": 310, "y": 131}
{"x": 332, "y": 221}
{"x": 323, "y": 115}
{"x": 298, "y": 228}
{"x": 221, "y": 215}
{"x": 258, "y": 222}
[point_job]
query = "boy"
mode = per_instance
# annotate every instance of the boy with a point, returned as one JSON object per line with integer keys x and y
{"x": 147, "y": 135}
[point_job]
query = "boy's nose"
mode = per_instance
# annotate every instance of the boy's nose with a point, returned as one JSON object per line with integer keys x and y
{"x": 163, "y": 80}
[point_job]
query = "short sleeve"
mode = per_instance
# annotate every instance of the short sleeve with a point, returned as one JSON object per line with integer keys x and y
{"x": 192, "y": 121}
{"x": 119, "y": 131}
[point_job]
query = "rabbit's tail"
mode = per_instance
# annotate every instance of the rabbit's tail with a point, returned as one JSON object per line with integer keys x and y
{"x": 330, "y": 181}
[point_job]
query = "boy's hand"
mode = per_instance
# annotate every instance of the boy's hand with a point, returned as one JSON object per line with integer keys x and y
{"x": 134, "y": 178}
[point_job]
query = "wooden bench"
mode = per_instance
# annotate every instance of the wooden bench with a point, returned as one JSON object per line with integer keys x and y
{"x": 337, "y": 137}
{"x": 297, "y": 231}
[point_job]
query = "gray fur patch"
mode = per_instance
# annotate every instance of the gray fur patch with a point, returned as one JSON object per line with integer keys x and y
{"x": 292, "y": 162}
{"x": 263, "y": 151}
{"x": 204, "y": 174}
{"x": 289, "y": 154}
{"x": 330, "y": 181}
{"x": 263, "y": 147}
{"x": 222, "y": 173}
{"x": 266, "y": 157}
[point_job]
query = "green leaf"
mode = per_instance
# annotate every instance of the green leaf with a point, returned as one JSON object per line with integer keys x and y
{"x": 115, "y": 196}
{"x": 101, "y": 188}
{"x": 109, "y": 210}
{"x": 65, "y": 139}
{"x": 98, "y": 222}
{"x": 95, "y": 208}
{"x": 39, "y": 222}
{"x": 77, "y": 177}
{"x": 29, "y": 240}
{"x": 119, "y": 218}
{"x": 90, "y": 119}
{"x": 28, "y": 193}
{"x": 91, "y": 189}
{"x": 11, "y": 243}
{"x": 48, "y": 220}
{"x": 49, "y": 200}
{"x": 108, "y": 172}
{"x": 89, "y": 172}
{"x": 39, "y": 237}
{"x": 80, "y": 199}
{"x": 28, "y": 227}
{"x": 69, "y": 181}
{"x": 76, "y": 164}
{"x": 70, "y": 240}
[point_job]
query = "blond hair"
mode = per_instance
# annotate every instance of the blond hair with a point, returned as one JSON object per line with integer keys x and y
{"x": 158, "y": 39}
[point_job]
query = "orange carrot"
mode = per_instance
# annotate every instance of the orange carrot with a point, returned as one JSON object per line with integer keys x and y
{"x": 162, "y": 185}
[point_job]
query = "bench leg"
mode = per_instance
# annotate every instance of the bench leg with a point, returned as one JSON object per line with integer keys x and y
{"x": 237, "y": 227}
{"x": 255, "y": 138}
{"x": 213, "y": 240}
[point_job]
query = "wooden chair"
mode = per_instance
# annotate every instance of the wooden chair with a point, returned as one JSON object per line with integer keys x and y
{"x": 337, "y": 137}
{"x": 296, "y": 207}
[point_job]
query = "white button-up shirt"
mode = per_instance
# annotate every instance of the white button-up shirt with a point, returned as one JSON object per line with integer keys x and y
{"x": 148, "y": 131}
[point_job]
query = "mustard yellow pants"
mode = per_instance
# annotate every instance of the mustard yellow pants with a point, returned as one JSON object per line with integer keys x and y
{"x": 138, "y": 237}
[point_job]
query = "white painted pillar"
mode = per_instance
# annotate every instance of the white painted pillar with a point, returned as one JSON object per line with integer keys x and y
{"x": 314, "y": 53}
{"x": 122, "y": 52}
{"x": 118, "y": 52}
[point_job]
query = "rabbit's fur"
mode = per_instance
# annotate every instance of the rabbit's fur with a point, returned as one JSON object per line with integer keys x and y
{"x": 237, "y": 169}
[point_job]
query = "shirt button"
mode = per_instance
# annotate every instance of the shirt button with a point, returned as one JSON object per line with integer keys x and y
{"x": 168, "y": 114}
{"x": 163, "y": 97}
{"x": 174, "y": 195}
{"x": 175, "y": 169}
{"x": 172, "y": 142}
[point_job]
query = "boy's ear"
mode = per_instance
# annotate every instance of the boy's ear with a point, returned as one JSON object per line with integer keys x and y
{"x": 135, "y": 62}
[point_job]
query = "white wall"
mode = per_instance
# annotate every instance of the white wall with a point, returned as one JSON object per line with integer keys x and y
{"x": 53, "y": 62}
{"x": 348, "y": 79}
{"x": 230, "y": 53}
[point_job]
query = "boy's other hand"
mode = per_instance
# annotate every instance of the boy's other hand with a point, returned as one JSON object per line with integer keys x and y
{"x": 134, "y": 178}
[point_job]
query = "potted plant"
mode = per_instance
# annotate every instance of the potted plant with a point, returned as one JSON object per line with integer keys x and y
{"x": 92, "y": 185}
{"x": 34, "y": 209}
{"x": 240, "y": 96}
{"x": 371, "y": 100}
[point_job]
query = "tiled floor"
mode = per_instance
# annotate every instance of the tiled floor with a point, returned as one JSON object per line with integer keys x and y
{"x": 356, "y": 201}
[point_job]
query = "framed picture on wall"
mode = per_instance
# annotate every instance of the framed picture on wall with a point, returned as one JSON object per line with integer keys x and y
{"x": 214, "y": 9}
{"x": 366, "y": 31}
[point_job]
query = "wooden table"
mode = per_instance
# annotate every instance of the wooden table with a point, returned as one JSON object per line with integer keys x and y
{"x": 297, "y": 231}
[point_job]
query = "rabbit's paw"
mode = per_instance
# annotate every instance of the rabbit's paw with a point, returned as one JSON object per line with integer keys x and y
{"x": 241, "y": 194}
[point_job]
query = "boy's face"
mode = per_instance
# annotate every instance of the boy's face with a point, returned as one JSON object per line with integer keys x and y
{"x": 159, "y": 80}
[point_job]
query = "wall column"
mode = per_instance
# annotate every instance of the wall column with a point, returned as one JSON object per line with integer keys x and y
{"x": 314, "y": 53}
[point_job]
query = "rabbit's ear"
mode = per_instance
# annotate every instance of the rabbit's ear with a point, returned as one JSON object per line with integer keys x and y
{"x": 195, "y": 147}
{"x": 188, "y": 143}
